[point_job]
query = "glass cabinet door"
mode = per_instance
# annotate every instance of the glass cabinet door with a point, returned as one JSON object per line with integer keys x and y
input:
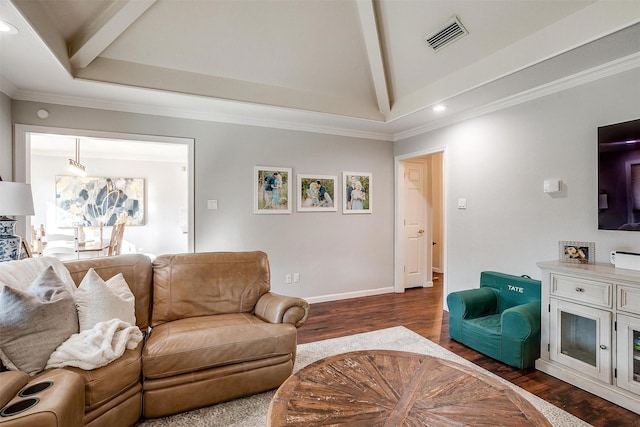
{"x": 636, "y": 356}
{"x": 628, "y": 353}
{"x": 580, "y": 338}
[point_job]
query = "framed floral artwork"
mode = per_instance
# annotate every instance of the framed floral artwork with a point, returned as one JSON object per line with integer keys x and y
{"x": 93, "y": 200}
{"x": 272, "y": 190}
{"x": 358, "y": 194}
{"x": 317, "y": 193}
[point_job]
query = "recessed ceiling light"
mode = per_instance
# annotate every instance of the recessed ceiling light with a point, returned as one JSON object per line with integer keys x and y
{"x": 439, "y": 107}
{"x": 6, "y": 28}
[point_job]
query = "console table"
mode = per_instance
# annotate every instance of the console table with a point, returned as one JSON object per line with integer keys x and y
{"x": 590, "y": 329}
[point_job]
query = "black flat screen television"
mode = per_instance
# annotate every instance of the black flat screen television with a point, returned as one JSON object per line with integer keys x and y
{"x": 619, "y": 176}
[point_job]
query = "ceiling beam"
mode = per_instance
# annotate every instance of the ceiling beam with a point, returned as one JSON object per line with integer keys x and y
{"x": 42, "y": 27}
{"x": 105, "y": 30}
{"x": 374, "y": 53}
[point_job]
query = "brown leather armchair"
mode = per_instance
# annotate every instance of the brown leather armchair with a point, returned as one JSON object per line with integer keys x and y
{"x": 217, "y": 332}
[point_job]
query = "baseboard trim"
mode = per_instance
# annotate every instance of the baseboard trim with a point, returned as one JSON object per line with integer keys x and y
{"x": 348, "y": 295}
{"x": 606, "y": 391}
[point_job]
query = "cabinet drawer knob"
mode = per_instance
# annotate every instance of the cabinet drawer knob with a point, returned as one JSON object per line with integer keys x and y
{"x": 579, "y": 289}
{"x": 603, "y": 347}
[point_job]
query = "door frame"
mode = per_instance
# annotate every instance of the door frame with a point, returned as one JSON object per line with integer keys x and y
{"x": 398, "y": 265}
{"x": 22, "y": 162}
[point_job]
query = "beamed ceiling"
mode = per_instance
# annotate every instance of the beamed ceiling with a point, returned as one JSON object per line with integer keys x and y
{"x": 353, "y": 67}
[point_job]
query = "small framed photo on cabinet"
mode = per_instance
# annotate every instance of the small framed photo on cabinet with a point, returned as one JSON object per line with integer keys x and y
{"x": 577, "y": 252}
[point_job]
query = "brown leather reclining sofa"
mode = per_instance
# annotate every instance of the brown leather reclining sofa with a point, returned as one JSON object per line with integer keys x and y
{"x": 213, "y": 332}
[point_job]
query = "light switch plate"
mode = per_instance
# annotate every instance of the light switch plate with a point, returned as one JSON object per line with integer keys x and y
{"x": 212, "y": 204}
{"x": 462, "y": 203}
{"x": 551, "y": 185}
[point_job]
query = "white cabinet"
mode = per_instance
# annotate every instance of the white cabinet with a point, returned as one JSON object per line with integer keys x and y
{"x": 590, "y": 329}
{"x": 629, "y": 353}
{"x": 580, "y": 338}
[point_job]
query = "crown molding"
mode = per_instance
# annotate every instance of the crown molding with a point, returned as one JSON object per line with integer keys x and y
{"x": 311, "y": 121}
{"x": 7, "y": 87}
{"x": 306, "y": 121}
{"x": 596, "y": 73}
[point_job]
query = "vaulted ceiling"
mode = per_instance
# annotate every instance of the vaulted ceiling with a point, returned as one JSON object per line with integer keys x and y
{"x": 358, "y": 67}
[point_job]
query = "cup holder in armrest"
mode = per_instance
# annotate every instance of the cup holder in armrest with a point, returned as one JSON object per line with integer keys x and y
{"x": 35, "y": 388}
{"x": 21, "y": 406}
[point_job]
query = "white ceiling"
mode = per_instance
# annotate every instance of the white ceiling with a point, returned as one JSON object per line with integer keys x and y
{"x": 105, "y": 148}
{"x": 351, "y": 67}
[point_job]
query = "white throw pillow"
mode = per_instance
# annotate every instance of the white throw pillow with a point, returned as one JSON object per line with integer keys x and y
{"x": 99, "y": 301}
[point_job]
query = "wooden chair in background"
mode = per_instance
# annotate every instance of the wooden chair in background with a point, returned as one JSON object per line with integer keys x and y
{"x": 63, "y": 246}
{"x": 115, "y": 244}
{"x": 25, "y": 250}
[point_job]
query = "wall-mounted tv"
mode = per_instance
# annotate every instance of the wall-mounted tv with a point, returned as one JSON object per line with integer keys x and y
{"x": 619, "y": 176}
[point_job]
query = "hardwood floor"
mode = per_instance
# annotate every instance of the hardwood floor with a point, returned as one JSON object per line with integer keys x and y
{"x": 420, "y": 310}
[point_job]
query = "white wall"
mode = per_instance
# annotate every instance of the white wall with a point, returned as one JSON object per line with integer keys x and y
{"x": 165, "y": 195}
{"x": 6, "y": 145}
{"x": 336, "y": 255}
{"x": 498, "y": 162}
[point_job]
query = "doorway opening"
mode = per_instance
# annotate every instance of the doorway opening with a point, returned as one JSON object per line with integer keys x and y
{"x": 420, "y": 239}
{"x": 163, "y": 166}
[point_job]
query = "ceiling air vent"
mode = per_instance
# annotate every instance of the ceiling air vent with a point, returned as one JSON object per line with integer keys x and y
{"x": 450, "y": 33}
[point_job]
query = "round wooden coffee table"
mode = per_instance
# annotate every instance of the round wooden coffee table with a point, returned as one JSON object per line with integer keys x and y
{"x": 395, "y": 388}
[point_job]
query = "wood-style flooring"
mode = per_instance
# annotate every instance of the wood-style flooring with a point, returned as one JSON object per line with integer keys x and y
{"x": 421, "y": 310}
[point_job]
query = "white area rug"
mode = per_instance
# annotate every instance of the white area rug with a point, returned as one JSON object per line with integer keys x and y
{"x": 252, "y": 411}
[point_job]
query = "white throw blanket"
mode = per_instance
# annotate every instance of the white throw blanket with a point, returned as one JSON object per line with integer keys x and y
{"x": 96, "y": 347}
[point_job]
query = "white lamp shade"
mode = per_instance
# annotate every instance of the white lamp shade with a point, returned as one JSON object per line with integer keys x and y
{"x": 15, "y": 199}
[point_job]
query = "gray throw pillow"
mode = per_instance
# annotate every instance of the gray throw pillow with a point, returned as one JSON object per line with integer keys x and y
{"x": 34, "y": 323}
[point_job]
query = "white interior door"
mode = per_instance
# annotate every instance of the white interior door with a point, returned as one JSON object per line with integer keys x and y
{"x": 415, "y": 235}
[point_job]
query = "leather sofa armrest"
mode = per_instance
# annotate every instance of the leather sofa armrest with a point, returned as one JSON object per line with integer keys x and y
{"x": 274, "y": 308}
{"x": 11, "y": 382}
{"x": 472, "y": 303}
{"x": 521, "y": 321}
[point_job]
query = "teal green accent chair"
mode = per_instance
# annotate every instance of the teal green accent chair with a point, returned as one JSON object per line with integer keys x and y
{"x": 501, "y": 319}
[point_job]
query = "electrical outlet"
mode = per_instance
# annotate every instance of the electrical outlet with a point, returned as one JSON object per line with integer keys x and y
{"x": 287, "y": 279}
{"x": 296, "y": 277}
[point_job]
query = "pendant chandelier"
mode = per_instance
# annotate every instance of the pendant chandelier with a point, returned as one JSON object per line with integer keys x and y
{"x": 75, "y": 166}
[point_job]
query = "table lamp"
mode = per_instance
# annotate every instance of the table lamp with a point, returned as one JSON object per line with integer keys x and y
{"x": 15, "y": 199}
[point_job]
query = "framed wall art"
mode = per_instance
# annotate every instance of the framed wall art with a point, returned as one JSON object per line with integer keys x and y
{"x": 317, "y": 193}
{"x": 358, "y": 195}
{"x": 91, "y": 200}
{"x": 577, "y": 252}
{"x": 272, "y": 190}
